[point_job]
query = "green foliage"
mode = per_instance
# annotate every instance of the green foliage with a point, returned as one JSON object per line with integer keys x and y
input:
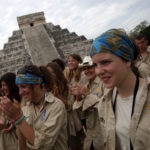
{"x": 146, "y": 31}
{"x": 140, "y": 28}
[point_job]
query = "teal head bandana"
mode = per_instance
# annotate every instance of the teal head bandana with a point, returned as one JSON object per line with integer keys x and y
{"x": 28, "y": 79}
{"x": 117, "y": 42}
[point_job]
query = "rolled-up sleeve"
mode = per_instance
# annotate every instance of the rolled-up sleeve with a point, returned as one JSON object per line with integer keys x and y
{"x": 47, "y": 128}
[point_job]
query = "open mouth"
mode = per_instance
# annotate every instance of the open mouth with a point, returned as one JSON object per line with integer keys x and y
{"x": 105, "y": 79}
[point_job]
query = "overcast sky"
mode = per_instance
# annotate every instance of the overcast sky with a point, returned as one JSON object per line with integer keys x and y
{"x": 85, "y": 17}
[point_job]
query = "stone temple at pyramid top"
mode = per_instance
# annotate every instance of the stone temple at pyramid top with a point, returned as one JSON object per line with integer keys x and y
{"x": 38, "y": 42}
{"x": 31, "y": 20}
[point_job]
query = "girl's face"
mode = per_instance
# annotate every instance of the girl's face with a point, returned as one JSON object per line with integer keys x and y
{"x": 72, "y": 63}
{"x": 28, "y": 92}
{"x": 111, "y": 69}
{"x": 4, "y": 89}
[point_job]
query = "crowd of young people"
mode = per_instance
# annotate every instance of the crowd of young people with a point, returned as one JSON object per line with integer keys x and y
{"x": 100, "y": 103}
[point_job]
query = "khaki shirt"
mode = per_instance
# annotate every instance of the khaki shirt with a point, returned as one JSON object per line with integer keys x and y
{"x": 140, "y": 122}
{"x": 74, "y": 116}
{"x": 89, "y": 107}
{"x": 49, "y": 124}
{"x": 9, "y": 141}
{"x": 144, "y": 65}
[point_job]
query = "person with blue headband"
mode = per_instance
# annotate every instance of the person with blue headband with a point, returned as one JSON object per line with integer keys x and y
{"x": 42, "y": 122}
{"x": 124, "y": 110}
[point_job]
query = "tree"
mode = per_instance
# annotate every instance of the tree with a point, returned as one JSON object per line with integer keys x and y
{"x": 139, "y": 29}
{"x": 146, "y": 32}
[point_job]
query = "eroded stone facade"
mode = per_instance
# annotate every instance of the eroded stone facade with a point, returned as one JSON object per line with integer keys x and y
{"x": 37, "y": 42}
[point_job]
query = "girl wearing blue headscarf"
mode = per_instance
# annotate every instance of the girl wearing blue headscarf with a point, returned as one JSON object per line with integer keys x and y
{"x": 124, "y": 111}
{"x": 42, "y": 123}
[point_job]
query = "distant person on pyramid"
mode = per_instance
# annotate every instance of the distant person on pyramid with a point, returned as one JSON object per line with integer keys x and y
{"x": 8, "y": 135}
{"x": 143, "y": 62}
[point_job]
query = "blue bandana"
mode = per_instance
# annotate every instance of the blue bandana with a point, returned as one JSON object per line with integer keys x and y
{"x": 28, "y": 79}
{"x": 116, "y": 42}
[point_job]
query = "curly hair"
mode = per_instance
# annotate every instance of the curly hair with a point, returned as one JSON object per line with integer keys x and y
{"x": 60, "y": 62}
{"x": 76, "y": 57}
{"x": 40, "y": 71}
{"x": 59, "y": 79}
{"x": 9, "y": 79}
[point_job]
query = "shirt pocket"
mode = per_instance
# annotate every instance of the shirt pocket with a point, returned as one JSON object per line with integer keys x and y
{"x": 91, "y": 118}
{"x": 142, "y": 135}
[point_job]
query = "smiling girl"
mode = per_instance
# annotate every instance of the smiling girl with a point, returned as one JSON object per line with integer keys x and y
{"x": 124, "y": 111}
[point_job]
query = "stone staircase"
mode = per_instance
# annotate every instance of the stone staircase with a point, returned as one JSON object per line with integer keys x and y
{"x": 67, "y": 42}
{"x": 37, "y": 42}
{"x": 13, "y": 54}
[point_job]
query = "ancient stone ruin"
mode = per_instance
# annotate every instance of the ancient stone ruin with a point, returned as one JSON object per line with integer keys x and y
{"x": 37, "y": 42}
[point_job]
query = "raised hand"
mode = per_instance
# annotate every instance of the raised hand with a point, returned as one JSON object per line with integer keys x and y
{"x": 11, "y": 109}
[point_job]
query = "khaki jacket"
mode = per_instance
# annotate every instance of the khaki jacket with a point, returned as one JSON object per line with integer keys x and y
{"x": 74, "y": 116}
{"x": 8, "y": 141}
{"x": 140, "y": 122}
{"x": 89, "y": 107}
{"x": 144, "y": 65}
{"x": 50, "y": 124}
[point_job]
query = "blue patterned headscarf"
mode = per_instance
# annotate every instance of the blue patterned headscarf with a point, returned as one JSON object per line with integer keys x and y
{"x": 117, "y": 42}
{"x": 28, "y": 79}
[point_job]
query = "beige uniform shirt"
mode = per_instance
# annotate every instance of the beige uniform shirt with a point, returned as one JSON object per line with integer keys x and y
{"x": 50, "y": 124}
{"x": 144, "y": 65}
{"x": 74, "y": 116}
{"x": 140, "y": 122}
{"x": 8, "y": 141}
{"x": 89, "y": 107}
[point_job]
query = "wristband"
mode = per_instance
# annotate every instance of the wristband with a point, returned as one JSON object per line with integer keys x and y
{"x": 19, "y": 116}
{"x": 20, "y": 120}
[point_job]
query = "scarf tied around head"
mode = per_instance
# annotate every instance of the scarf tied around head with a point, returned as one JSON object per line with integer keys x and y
{"x": 117, "y": 42}
{"x": 28, "y": 79}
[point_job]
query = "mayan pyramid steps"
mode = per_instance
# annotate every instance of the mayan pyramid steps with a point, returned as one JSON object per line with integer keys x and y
{"x": 37, "y": 42}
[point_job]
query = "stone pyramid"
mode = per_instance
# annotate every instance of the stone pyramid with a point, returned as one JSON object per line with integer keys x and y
{"x": 37, "y": 42}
